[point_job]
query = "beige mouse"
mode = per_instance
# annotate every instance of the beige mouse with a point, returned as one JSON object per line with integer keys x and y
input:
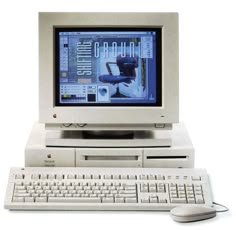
{"x": 192, "y": 213}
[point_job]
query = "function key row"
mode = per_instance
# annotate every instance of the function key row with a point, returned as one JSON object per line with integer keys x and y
{"x": 106, "y": 177}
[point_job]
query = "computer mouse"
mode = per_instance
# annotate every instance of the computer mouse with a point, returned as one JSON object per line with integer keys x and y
{"x": 185, "y": 214}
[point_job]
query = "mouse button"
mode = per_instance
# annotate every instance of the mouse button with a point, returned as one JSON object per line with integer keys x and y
{"x": 192, "y": 211}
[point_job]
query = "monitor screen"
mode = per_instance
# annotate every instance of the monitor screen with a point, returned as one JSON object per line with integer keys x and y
{"x": 108, "y": 67}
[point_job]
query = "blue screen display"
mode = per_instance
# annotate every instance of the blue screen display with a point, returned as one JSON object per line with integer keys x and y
{"x": 108, "y": 67}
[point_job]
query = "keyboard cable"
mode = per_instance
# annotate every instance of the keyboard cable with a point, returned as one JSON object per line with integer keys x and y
{"x": 222, "y": 206}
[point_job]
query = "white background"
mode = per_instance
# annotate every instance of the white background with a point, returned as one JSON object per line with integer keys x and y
{"x": 207, "y": 102}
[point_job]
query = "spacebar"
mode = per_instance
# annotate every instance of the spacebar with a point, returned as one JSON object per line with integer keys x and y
{"x": 74, "y": 200}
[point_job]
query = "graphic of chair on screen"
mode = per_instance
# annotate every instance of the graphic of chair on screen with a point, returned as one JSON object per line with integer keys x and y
{"x": 126, "y": 67}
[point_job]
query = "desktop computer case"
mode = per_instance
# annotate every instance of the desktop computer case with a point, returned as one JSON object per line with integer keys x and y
{"x": 180, "y": 154}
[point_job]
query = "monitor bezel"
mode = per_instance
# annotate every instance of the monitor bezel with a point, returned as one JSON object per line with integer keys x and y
{"x": 158, "y": 66}
{"x": 49, "y": 113}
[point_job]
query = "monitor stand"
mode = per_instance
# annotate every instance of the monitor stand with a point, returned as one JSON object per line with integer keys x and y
{"x": 102, "y": 134}
{"x": 111, "y": 138}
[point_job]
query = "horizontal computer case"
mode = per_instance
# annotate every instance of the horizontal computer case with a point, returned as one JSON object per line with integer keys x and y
{"x": 164, "y": 149}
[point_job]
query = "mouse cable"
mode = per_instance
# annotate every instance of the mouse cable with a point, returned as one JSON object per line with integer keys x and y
{"x": 222, "y": 206}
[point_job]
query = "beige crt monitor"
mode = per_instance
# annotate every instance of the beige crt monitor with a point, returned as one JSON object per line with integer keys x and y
{"x": 108, "y": 70}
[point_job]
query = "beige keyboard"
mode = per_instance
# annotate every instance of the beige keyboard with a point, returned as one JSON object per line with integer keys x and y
{"x": 106, "y": 188}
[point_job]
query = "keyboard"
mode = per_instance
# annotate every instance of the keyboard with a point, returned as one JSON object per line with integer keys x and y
{"x": 106, "y": 188}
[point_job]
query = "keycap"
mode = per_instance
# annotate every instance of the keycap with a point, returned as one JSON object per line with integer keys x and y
{"x": 21, "y": 194}
{"x": 96, "y": 176}
{"x": 182, "y": 193}
{"x": 130, "y": 200}
{"x": 70, "y": 187}
{"x": 196, "y": 178}
{"x": 153, "y": 200}
{"x": 126, "y": 195}
{"x": 107, "y": 200}
{"x": 76, "y": 195}
{"x": 41, "y": 199}
{"x": 87, "y": 176}
{"x": 29, "y": 187}
{"x": 143, "y": 177}
{"x": 46, "y": 187}
{"x": 29, "y": 199}
{"x": 107, "y": 183}
{"x": 151, "y": 177}
{"x": 130, "y": 187}
{"x": 84, "y": 195}
{"x": 132, "y": 193}
{"x": 144, "y": 189}
{"x": 161, "y": 200}
{"x": 22, "y": 187}
{"x": 35, "y": 176}
{"x": 145, "y": 200}
{"x": 178, "y": 200}
{"x": 93, "y": 195}
{"x": 62, "y": 187}
{"x": 190, "y": 196}
{"x": 132, "y": 177}
{"x": 191, "y": 200}
{"x": 79, "y": 176}
{"x": 43, "y": 176}
{"x": 67, "y": 183}
{"x": 19, "y": 183}
{"x": 72, "y": 191}
{"x": 68, "y": 195}
{"x": 18, "y": 199}
{"x": 199, "y": 200}
{"x": 59, "y": 195}
{"x": 173, "y": 195}
{"x": 119, "y": 200}
{"x": 198, "y": 193}
{"x": 173, "y": 189}
{"x": 161, "y": 189}
{"x": 181, "y": 189}
{"x": 101, "y": 195}
{"x": 88, "y": 192}
{"x": 152, "y": 189}
{"x": 65, "y": 191}
{"x": 19, "y": 176}
{"x": 51, "y": 195}
{"x": 21, "y": 191}
{"x": 59, "y": 176}
{"x": 34, "y": 195}
{"x": 74, "y": 200}
{"x": 189, "y": 193}
{"x": 160, "y": 177}
{"x": 116, "y": 177}
{"x": 197, "y": 189}
{"x": 51, "y": 176}
{"x": 43, "y": 195}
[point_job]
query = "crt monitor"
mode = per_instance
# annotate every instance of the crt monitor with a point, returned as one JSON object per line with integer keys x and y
{"x": 108, "y": 68}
